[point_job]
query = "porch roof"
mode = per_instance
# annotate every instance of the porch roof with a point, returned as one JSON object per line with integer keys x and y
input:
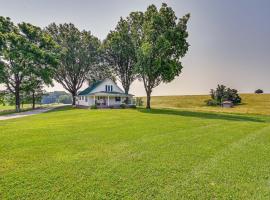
{"x": 116, "y": 94}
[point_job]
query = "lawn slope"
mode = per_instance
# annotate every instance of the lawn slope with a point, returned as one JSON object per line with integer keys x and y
{"x": 135, "y": 154}
{"x": 251, "y": 103}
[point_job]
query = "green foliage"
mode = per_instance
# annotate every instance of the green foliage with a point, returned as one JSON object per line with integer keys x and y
{"x": 160, "y": 43}
{"x": 79, "y": 58}
{"x": 65, "y": 99}
{"x": 93, "y": 107}
{"x": 2, "y": 98}
{"x": 211, "y": 102}
{"x": 139, "y": 101}
{"x": 259, "y": 91}
{"x": 222, "y": 93}
{"x": 111, "y": 106}
{"x": 123, "y": 106}
{"x": 132, "y": 106}
{"x": 52, "y": 97}
{"x": 25, "y": 51}
{"x": 119, "y": 52}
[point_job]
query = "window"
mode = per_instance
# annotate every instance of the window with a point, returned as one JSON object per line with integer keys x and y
{"x": 82, "y": 97}
{"x": 86, "y": 99}
{"x": 108, "y": 88}
{"x": 117, "y": 99}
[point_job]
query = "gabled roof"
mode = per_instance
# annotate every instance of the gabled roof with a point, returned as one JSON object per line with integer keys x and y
{"x": 90, "y": 88}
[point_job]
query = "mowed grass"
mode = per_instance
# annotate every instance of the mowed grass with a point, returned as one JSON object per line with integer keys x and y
{"x": 251, "y": 103}
{"x": 135, "y": 154}
{"x": 9, "y": 109}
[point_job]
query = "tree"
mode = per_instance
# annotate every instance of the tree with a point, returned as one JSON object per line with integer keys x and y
{"x": 80, "y": 55}
{"x": 219, "y": 94}
{"x": 222, "y": 93}
{"x": 259, "y": 91}
{"x": 33, "y": 89}
{"x": 65, "y": 99}
{"x": 2, "y": 97}
{"x": 25, "y": 50}
{"x": 119, "y": 51}
{"x": 100, "y": 72}
{"x": 160, "y": 43}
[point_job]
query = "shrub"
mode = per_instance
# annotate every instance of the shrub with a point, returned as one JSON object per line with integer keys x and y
{"x": 132, "y": 106}
{"x": 123, "y": 106}
{"x": 211, "y": 102}
{"x": 93, "y": 107}
{"x": 111, "y": 106}
{"x": 222, "y": 93}
{"x": 258, "y": 91}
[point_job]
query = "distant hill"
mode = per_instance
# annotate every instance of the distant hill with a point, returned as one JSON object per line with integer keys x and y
{"x": 56, "y": 97}
{"x": 251, "y": 103}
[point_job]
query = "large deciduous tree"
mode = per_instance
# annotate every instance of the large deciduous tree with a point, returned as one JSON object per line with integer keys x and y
{"x": 161, "y": 41}
{"x": 79, "y": 57}
{"x": 25, "y": 49}
{"x": 120, "y": 53}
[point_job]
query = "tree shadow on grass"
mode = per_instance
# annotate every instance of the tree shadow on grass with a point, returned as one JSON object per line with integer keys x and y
{"x": 203, "y": 115}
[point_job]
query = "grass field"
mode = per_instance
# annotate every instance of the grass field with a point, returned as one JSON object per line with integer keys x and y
{"x": 251, "y": 103}
{"x": 9, "y": 109}
{"x": 135, "y": 154}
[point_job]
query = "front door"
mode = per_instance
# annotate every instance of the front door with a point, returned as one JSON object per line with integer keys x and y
{"x": 101, "y": 101}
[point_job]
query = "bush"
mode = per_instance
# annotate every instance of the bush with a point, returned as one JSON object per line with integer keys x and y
{"x": 111, "y": 106}
{"x": 211, "y": 102}
{"x": 123, "y": 106}
{"x": 133, "y": 106}
{"x": 65, "y": 99}
{"x": 93, "y": 107}
{"x": 222, "y": 93}
{"x": 258, "y": 91}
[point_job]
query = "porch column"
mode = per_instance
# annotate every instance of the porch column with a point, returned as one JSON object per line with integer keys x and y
{"x": 94, "y": 100}
{"x": 108, "y": 100}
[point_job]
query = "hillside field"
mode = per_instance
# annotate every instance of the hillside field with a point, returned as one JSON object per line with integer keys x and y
{"x": 251, "y": 103}
{"x": 135, "y": 154}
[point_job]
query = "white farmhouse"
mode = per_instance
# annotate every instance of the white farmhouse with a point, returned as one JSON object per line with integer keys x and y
{"x": 103, "y": 94}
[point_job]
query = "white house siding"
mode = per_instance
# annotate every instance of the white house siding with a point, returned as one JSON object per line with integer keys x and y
{"x": 83, "y": 102}
{"x": 100, "y": 91}
{"x": 113, "y": 102}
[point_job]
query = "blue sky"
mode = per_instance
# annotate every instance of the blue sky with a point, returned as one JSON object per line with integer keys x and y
{"x": 230, "y": 40}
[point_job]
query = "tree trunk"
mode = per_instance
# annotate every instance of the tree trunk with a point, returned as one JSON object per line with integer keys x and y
{"x": 17, "y": 100}
{"x": 33, "y": 101}
{"x": 73, "y": 99}
{"x": 126, "y": 92}
{"x": 148, "y": 99}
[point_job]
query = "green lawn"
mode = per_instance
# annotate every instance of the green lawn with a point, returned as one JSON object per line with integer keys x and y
{"x": 135, "y": 154}
{"x": 9, "y": 109}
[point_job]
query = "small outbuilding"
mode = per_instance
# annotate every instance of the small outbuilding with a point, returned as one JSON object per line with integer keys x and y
{"x": 227, "y": 104}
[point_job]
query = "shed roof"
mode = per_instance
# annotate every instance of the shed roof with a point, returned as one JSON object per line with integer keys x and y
{"x": 227, "y": 102}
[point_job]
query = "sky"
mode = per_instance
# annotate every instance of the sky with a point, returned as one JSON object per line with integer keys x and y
{"x": 229, "y": 40}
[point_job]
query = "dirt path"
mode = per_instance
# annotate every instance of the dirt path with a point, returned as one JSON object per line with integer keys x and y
{"x": 24, "y": 114}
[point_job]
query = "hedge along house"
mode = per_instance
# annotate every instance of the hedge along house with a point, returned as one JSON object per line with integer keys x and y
{"x": 105, "y": 93}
